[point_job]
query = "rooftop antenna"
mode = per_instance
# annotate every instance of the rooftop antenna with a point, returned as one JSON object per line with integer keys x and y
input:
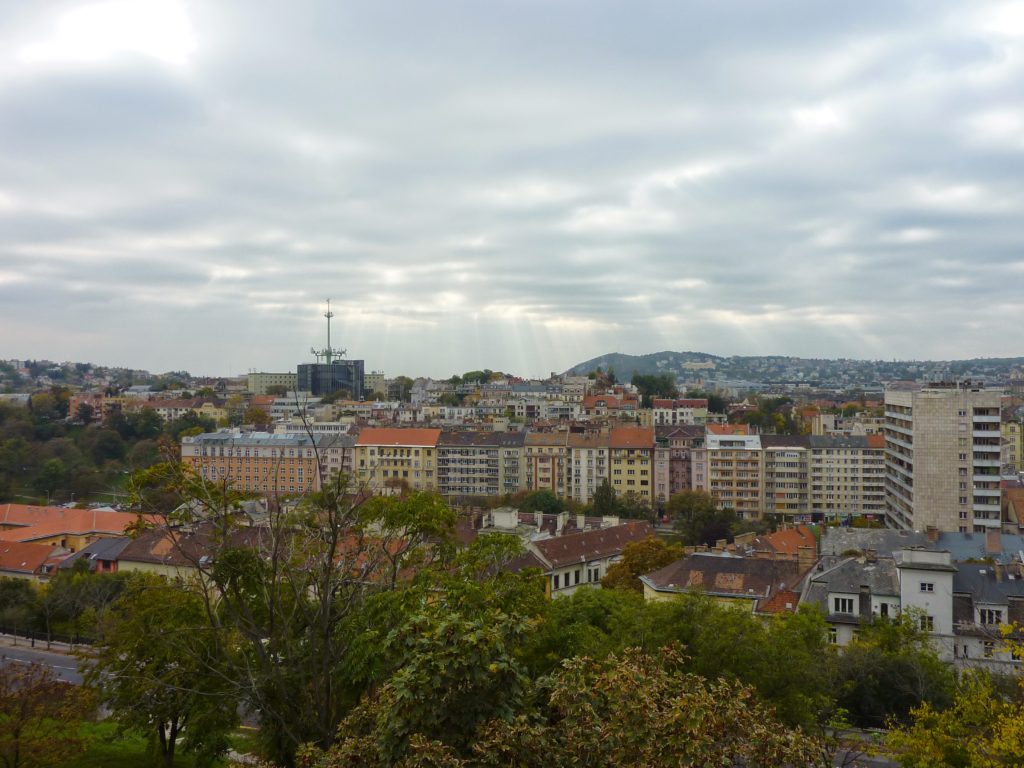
{"x": 328, "y": 352}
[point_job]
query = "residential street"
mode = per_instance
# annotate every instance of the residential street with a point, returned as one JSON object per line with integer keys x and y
{"x": 64, "y": 665}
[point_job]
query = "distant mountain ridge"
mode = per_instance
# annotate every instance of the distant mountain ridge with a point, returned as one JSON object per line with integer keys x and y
{"x": 779, "y": 368}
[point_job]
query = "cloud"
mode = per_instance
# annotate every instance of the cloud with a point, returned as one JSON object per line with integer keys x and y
{"x": 510, "y": 185}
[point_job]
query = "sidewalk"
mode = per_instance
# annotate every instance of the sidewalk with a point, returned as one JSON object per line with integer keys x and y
{"x": 65, "y": 649}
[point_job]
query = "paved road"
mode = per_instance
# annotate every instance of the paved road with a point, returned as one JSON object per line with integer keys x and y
{"x": 65, "y": 667}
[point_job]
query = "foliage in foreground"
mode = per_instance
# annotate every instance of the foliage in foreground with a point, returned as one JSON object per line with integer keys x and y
{"x": 633, "y": 710}
{"x": 984, "y": 727}
{"x": 40, "y": 717}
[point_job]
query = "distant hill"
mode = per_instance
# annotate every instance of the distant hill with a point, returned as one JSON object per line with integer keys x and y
{"x": 656, "y": 362}
{"x": 811, "y": 371}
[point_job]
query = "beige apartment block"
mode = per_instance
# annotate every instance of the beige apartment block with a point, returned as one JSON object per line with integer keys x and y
{"x": 259, "y": 383}
{"x": 786, "y": 471}
{"x": 1013, "y": 445}
{"x": 847, "y": 476}
{"x": 942, "y": 458}
{"x": 729, "y": 468}
{"x": 546, "y": 459}
{"x": 479, "y": 463}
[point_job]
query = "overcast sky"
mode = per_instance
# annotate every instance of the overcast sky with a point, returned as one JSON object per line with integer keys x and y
{"x": 513, "y": 185}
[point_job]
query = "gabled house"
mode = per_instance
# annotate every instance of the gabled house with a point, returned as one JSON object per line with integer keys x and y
{"x": 986, "y": 598}
{"x": 573, "y": 560}
{"x": 751, "y": 583}
{"x": 36, "y": 562}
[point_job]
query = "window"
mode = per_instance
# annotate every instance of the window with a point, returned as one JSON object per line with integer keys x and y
{"x": 843, "y": 604}
{"x": 555, "y": 580}
{"x": 927, "y": 586}
{"x": 990, "y": 616}
{"x": 578, "y": 572}
{"x": 927, "y": 623}
{"x": 989, "y": 649}
{"x": 883, "y": 609}
{"x": 833, "y": 635}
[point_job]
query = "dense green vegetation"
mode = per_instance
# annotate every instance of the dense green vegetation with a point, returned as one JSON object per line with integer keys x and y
{"x": 46, "y": 459}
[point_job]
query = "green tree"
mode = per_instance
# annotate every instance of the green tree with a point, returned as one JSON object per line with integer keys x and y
{"x": 654, "y": 385}
{"x": 84, "y": 413}
{"x": 633, "y": 507}
{"x": 290, "y": 607}
{"x": 604, "y": 502}
{"x": 698, "y": 518}
{"x": 716, "y": 403}
{"x": 633, "y": 710}
{"x": 640, "y": 558}
{"x": 888, "y": 670}
{"x": 984, "y": 727}
{"x": 158, "y": 667}
{"x": 19, "y": 601}
{"x": 256, "y": 416}
{"x": 544, "y": 501}
{"x": 404, "y": 386}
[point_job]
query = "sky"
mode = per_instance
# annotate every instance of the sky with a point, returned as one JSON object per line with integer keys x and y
{"x": 512, "y": 185}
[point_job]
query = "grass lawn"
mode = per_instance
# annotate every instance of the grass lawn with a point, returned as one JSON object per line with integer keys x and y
{"x": 107, "y": 749}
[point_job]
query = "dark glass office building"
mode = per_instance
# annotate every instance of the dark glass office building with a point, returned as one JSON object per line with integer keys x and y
{"x": 321, "y": 379}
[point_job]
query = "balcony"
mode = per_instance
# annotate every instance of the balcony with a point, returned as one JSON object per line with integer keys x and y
{"x": 986, "y": 419}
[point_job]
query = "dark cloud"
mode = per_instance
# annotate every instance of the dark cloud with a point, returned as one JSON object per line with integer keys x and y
{"x": 518, "y": 185}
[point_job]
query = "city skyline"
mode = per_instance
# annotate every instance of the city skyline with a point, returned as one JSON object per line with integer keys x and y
{"x": 529, "y": 185}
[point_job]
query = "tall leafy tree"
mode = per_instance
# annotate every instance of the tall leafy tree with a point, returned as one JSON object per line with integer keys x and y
{"x": 160, "y": 670}
{"x": 639, "y": 558}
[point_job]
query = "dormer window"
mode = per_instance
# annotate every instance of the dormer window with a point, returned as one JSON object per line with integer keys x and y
{"x": 990, "y": 616}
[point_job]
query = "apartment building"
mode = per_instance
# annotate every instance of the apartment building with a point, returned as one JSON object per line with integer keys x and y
{"x": 589, "y": 465}
{"x": 259, "y": 383}
{"x": 673, "y": 413}
{"x": 546, "y": 458}
{"x": 847, "y": 477}
{"x": 479, "y": 463}
{"x": 681, "y": 441}
{"x": 1012, "y": 431}
{"x": 728, "y": 467}
{"x": 786, "y": 468}
{"x": 631, "y": 461}
{"x": 275, "y": 465}
{"x": 388, "y": 459}
{"x": 942, "y": 457}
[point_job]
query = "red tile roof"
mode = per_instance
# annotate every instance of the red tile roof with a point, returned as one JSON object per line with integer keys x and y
{"x": 424, "y": 438}
{"x": 788, "y": 542}
{"x": 16, "y": 557}
{"x": 632, "y": 437}
{"x": 728, "y": 429}
{"x": 27, "y": 522}
{"x": 783, "y": 601}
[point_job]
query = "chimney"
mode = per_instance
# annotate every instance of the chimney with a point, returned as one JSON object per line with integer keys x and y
{"x": 998, "y": 571}
{"x": 865, "y": 601}
{"x": 805, "y": 557}
{"x": 721, "y": 544}
{"x": 560, "y": 520}
{"x": 871, "y": 555}
{"x": 933, "y": 534}
{"x": 581, "y": 522}
{"x": 994, "y": 542}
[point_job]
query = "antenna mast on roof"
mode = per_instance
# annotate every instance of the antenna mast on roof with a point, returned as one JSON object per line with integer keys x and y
{"x": 328, "y": 352}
